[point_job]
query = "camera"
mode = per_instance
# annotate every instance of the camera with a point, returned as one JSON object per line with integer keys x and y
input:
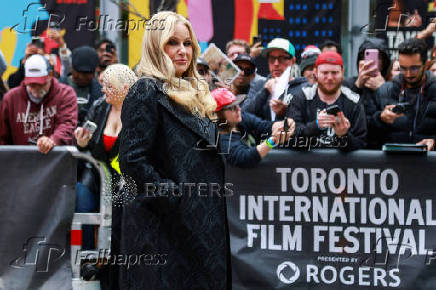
{"x": 401, "y": 108}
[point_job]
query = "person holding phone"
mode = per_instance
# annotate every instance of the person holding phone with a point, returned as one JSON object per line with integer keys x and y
{"x": 327, "y": 114}
{"x": 33, "y": 47}
{"x": 99, "y": 135}
{"x": 245, "y": 139}
{"x": 107, "y": 54}
{"x": 373, "y": 66}
{"x": 415, "y": 86}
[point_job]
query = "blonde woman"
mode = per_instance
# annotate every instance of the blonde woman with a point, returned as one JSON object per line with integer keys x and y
{"x": 106, "y": 114}
{"x": 103, "y": 143}
{"x": 167, "y": 148}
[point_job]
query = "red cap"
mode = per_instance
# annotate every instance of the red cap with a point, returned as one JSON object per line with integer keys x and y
{"x": 329, "y": 57}
{"x": 224, "y": 99}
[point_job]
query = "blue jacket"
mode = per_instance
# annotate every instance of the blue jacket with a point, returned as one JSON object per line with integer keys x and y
{"x": 239, "y": 148}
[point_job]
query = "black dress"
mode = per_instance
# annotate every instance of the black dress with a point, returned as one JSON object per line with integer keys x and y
{"x": 161, "y": 142}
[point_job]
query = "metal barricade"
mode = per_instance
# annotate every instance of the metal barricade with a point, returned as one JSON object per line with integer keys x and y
{"x": 103, "y": 219}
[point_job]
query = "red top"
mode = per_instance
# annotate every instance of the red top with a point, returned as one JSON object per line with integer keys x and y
{"x": 108, "y": 142}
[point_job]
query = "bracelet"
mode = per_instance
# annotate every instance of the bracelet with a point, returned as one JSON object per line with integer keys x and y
{"x": 270, "y": 143}
{"x": 317, "y": 124}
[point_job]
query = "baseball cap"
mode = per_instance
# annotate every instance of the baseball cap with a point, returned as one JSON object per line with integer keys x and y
{"x": 310, "y": 50}
{"x": 246, "y": 57}
{"x": 84, "y": 59}
{"x": 279, "y": 43}
{"x": 202, "y": 62}
{"x": 36, "y": 70}
{"x": 329, "y": 57}
{"x": 225, "y": 99}
{"x": 308, "y": 61}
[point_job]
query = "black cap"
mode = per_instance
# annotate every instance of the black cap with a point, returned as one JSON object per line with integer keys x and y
{"x": 245, "y": 57}
{"x": 84, "y": 59}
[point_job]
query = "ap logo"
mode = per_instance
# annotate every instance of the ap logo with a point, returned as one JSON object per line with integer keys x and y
{"x": 288, "y": 272}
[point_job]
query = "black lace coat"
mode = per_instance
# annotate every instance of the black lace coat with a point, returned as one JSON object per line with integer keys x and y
{"x": 163, "y": 143}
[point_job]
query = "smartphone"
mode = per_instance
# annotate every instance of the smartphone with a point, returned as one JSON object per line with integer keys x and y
{"x": 90, "y": 126}
{"x": 401, "y": 108}
{"x": 333, "y": 110}
{"x": 110, "y": 48}
{"x": 372, "y": 54}
{"x": 285, "y": 124}
{"x": 256, "y": 39}
{"x": 37, "y": 41}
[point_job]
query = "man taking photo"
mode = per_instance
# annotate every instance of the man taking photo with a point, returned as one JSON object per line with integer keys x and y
{"x": 328, "y": 114}
{"x": 407, "y": 104}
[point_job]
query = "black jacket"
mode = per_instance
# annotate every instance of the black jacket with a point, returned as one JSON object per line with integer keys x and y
{"x": 98, "y": 113}
{"x": 84, "y": 104}
{"x": 303, "y": 110}
{"x": 367, "y": 96}
{"x": 403, "y": 129}
{"x": 260, "y": 105}
{"x": 256, "y": 85}
{"x": 161, "y": 142}
{"x": 236, "y": 147}
{"x": 17, "y": 77}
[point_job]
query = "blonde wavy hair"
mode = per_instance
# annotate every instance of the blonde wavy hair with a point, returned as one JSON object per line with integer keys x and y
{"x": 190, "y": 91}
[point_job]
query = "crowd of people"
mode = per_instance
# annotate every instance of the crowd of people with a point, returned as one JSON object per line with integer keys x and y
{"x": 155, "y": 121}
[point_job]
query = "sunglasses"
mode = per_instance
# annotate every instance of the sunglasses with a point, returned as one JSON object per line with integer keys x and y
{"x": 413, "y": 69}
{"x": 247, "y": 71}
{"x": 281, "y": 58}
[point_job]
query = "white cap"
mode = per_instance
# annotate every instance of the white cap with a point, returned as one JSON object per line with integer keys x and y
{"x": 36, "y": 70}
{"x": 279, "y": 43}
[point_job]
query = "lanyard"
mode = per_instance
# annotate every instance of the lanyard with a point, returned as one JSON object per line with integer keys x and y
{"x": 417, "y": 103}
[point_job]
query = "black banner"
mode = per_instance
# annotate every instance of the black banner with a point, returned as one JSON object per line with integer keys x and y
{"x": 330, "y": 220}
{"x": 37, "y": 194}
{"x": 76, "y": 19}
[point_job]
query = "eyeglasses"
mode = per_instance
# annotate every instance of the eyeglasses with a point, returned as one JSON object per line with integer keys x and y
{"x": 247, "y": 71}
{"x": 413, "y": 69}
{"x": 281, "y": 58}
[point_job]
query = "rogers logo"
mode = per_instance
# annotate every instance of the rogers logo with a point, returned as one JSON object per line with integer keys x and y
{"x": 281, "y": 271}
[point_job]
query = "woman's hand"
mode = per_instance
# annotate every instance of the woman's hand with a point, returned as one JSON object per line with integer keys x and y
{"x": 82, "y": 136}
{"x": 278, "y": 135}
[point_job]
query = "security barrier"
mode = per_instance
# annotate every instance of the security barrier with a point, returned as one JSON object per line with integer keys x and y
{"x": 37, "y": 214}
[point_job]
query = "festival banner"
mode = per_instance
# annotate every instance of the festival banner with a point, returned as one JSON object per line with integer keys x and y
{"x": 329, "y": 220}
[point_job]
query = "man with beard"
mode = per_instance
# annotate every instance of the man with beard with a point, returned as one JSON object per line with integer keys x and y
{"x": 415, "y": 120}
{"x": 317, "y": 124}
{"x": 40, "y": 111}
